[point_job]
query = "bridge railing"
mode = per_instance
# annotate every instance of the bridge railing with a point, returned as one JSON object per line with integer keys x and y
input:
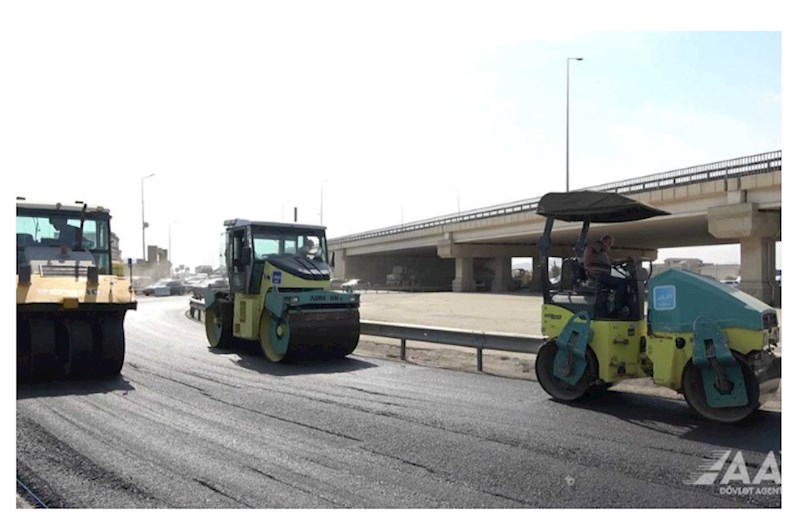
{"x": 727, "y": 169}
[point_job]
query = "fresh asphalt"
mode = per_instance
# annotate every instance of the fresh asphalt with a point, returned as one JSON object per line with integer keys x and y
{"x": 186, "y": 426}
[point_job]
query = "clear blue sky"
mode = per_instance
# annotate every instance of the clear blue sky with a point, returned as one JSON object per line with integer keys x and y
{"x": 369, "y": 112}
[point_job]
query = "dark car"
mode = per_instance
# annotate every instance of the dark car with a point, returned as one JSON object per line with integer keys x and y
{"x": 165, "y": 287}
{"x": 215, "y": 283}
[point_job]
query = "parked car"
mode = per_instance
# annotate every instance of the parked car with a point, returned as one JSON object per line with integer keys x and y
{"x": 165, "y": 287}
{"x": 218, "y": 283}
{"x": 140, "y": 283}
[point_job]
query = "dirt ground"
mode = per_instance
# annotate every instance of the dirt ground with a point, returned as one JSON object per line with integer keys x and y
{"x": 514, "y": 313}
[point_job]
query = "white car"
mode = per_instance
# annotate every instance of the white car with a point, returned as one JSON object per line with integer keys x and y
{"x": 354, "y": 284}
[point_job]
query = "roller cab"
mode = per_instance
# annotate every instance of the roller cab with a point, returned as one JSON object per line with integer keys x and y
{"x": 280, "y": 294}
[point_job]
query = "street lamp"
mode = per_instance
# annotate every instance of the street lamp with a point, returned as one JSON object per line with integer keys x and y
{"x": 458, "y": 200}
{"x": 144, "y": 224}
{"x": 568, "y": 59}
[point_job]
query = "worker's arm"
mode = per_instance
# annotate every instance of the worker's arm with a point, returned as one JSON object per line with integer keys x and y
{"x": 587, "y": 258}
{"x": 622, "y": 261}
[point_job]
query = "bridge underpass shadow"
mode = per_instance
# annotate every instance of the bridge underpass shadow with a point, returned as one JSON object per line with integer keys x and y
{"x": 759, "y": 433}
{"x": 251, "y": 358}
{"x": 71, "y": 387}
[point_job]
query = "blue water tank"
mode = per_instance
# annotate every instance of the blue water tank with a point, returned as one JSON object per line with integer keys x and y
{"x": 676, "y": 298}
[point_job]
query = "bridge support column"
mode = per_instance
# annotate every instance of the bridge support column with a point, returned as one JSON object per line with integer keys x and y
{"x": 756, "y": 231}
{"x": 502, "y": 274}
{"x": 758, "y": 268}
{"x": 340, "y": 270}
{"x": 465, "y": 275}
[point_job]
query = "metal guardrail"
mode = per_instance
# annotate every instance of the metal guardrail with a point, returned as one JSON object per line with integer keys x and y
{"x": 725, "y": 169}
{"x": 480, "y": 341}
{"x": 196, "y": 309}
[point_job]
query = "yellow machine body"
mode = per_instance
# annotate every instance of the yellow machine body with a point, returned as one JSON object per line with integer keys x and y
{"x": 71, "y": 299}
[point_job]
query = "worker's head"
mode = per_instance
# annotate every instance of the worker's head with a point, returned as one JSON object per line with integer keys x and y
{"x": 309, "y": 243}
{"x": 607, "y": 240}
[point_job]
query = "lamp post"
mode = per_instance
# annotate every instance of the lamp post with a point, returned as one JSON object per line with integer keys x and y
{"x": 568, "y": 59}
{"x": 144, "y": 224}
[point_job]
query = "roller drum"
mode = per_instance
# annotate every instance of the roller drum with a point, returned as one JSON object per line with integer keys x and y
{"x": 310, "y": 334}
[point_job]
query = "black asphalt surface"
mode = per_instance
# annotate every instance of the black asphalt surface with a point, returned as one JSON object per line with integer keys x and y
{"x": 186, "y": 426}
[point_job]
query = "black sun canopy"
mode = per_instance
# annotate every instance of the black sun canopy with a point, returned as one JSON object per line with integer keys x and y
{"x": 594, "y": 206}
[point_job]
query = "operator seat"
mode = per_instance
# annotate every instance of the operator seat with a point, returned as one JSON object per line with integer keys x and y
{"x": 577, "y": 291}
{"x": 574, "y": 278}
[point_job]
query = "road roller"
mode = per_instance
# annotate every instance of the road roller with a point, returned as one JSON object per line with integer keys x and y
{"x": 713, "y": 343}
{"x": 280, "y": 294}
{"x": 70, "y": 304}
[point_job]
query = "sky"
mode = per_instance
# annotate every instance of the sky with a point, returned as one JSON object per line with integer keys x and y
{"x": 365, "y": 115}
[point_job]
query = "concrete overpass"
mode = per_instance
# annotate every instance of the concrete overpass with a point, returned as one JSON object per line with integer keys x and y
{"x": 736, "y": 200}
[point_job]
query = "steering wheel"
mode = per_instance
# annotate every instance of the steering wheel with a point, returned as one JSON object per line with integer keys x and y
{"x": 623, "y": 268}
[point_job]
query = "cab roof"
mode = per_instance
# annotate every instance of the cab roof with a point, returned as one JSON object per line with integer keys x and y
{"x": 68, "y": 208}
{"x": 240, "y": 223}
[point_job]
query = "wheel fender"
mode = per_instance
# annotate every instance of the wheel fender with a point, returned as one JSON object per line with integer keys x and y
{"x": 570, "y": 360}
{"x": 716, "y": 362}
{"x": 209, "y": 298}
{"x": 274, "y": 304}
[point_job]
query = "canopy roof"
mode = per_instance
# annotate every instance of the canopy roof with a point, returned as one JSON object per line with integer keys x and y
{"x": 594, "y": 206}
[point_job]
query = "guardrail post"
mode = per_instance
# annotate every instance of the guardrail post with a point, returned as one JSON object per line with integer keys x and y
{"x": 403, "y": 349}
{"x": 480, "y": 359}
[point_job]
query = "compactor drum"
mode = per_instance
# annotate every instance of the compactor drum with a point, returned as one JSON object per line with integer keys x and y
{"x": 280, "y": 294}
{"x": 70, "y": 307}
{"x": 713, "y": 343}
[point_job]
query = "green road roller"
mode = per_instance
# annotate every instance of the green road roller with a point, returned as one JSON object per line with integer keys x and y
{"x": 712, "y": 343}
{"x": 280, "y": 294}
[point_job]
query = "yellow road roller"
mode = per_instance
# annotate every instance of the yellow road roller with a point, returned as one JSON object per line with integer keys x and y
{"x": 713, "y": 343}
{"x": 280, "y": 294}
{"x": 70, "y": 305}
